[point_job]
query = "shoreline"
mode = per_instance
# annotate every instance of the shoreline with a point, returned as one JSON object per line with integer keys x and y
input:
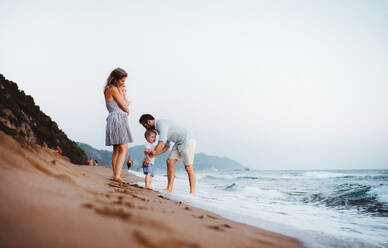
{"x": 48, "y": 202}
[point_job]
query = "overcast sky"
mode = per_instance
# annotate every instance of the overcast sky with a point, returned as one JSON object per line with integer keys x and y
{"x": 270, "y": 84}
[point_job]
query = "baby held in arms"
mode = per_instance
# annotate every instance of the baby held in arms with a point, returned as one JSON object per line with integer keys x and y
{"x": 150, "y": 136}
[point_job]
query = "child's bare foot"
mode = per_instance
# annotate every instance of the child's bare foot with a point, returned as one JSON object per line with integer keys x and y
{"x": 166, "y": 190}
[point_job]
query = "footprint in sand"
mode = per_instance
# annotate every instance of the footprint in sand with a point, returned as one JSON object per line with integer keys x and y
{"x": 143, "y": 240}
{"x": 109, "y": 212}
{"x": 140, "y": 198}
{"x": 115, "y": 213}
{"x": 198, "y": 217}
{"x": 87, "y": 205}
{"x": 212, "y": 217}
{"x": 217, "y": 228}
{"x": 64, "y": 178}
{"x": 163, "y": 197}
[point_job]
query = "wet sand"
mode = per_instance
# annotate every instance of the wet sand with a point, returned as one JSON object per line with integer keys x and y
{"x": 45, "y": 201}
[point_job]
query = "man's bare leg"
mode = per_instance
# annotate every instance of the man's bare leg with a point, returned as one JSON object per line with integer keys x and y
{"x": 170, "y": 174}
{"x": 190, "y": 173}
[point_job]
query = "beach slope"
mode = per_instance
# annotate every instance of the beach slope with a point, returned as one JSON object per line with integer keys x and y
{"x": 46, "y": 201}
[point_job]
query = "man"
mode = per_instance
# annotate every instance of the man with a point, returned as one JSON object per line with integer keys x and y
{"x": 183, "y": 149}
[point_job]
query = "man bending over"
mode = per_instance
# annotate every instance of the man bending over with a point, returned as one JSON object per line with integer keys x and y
{"x": 183, "y": 149}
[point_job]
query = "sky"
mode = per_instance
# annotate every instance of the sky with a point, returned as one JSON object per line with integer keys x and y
{"x": 270, "y": 84}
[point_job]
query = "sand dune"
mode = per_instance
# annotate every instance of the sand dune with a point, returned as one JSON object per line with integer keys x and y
{"x": 45, "y": 201}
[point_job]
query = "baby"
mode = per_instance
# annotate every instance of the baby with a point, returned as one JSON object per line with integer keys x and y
{"x": 150, "y": 136}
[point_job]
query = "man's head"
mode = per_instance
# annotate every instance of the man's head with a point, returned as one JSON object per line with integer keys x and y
{"x": 148, "y": 121}
{"x": 150, "y": 135}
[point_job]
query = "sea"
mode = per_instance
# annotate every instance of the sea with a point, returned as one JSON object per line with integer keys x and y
{"x": 321, "y": 208}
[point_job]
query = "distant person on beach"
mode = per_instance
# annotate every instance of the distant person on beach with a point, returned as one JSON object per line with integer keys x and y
{"x": 95, "y": 163}
{"x": 117, "y": 129}
{"x": 129, "y": 163}
{"x": 59, "y": 150}
{"x": 148, "y": 169}
{"x": 183, "y": 149}
{"x": 90, "y": 162}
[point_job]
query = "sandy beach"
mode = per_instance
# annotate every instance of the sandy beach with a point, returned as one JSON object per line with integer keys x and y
{"x": 46, "y": 201}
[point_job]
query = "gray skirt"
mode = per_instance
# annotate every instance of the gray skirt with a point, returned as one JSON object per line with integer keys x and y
{"x": 117, "y": 129}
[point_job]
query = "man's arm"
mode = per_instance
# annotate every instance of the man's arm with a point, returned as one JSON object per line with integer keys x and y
{"x": 159, "y": 149}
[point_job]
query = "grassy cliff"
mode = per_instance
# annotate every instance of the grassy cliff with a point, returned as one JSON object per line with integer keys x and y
{"x": 21, "y": 118}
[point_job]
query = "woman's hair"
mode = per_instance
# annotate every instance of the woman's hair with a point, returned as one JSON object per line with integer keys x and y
{"x": 115, "y": 76}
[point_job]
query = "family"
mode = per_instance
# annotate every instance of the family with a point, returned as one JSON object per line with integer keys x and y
{"x": 170, "y": 133}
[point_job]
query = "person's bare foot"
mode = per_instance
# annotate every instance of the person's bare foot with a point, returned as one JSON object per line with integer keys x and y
{"x": 166, "y": 190}
{"x": 120, "y": 180}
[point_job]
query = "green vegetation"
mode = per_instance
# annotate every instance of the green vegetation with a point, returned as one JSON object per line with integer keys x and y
{"x": 21, "y": 118}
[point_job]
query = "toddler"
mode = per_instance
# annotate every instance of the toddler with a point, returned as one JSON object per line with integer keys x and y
{"x": 150, "y": 136}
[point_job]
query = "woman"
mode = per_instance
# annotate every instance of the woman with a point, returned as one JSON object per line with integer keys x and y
{"x": 117, "y": 129}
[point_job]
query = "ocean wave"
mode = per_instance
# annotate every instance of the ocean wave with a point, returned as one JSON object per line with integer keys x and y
{"x": 226, "y": 178}
{"x": 263, "y": 193}
{"x": 380, "y": 192}
{"x": 245, "y": 191}
{"x": 247, "y": 177}
{"x": 323, "y": 174}
{"x": 231, "y": 187}
{"x": 209, "y": 178}
{"x": 354, "y": 196}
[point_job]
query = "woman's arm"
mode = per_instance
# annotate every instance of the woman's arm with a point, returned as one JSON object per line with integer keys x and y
{"x": 117, "y": 97}
{"x": 126, "y": 100}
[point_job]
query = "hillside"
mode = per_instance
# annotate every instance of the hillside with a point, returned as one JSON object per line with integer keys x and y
{"x": 21, "y": 118}
{"x": 202, "y": 161}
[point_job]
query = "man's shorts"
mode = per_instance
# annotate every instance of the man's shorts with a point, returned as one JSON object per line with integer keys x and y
{"x": 187, "y": 155}
{"x": 149, "y": 169}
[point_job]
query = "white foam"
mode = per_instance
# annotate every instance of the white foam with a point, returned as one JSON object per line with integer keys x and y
{"x": 256, "y": 191}
{"x": 323, "y": 174}
{"x": 380, "y": 192}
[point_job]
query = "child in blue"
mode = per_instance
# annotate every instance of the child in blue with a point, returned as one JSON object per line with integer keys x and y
{"x": 150, "y": 136}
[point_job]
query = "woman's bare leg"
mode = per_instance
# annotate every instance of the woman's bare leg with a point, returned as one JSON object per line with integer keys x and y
{"x": 115, "y": 154}
{"x": 122, "y": 153}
